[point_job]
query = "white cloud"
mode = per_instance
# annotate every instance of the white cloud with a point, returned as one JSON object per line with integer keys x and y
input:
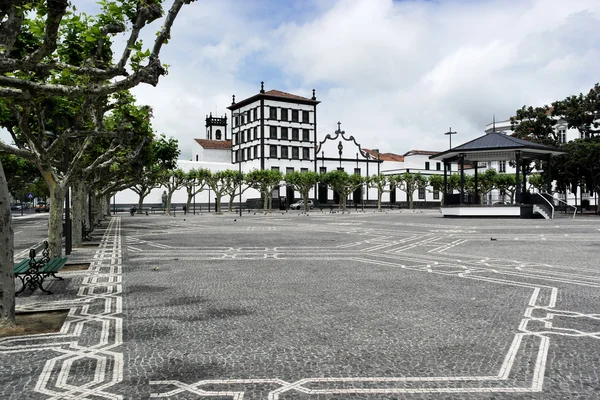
{"x": 396, "y": 74}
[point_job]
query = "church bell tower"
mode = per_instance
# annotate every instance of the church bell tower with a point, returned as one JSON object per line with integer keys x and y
{"x": 216, "y": 127}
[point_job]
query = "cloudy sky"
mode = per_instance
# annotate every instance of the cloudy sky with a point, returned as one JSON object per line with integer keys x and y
{"x": 397, "y": 74}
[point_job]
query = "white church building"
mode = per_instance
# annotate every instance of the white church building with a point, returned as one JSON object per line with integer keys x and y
{"x": 278, "y": 130}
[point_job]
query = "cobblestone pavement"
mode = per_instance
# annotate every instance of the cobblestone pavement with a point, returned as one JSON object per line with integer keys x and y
{"x": 396, "y": 305}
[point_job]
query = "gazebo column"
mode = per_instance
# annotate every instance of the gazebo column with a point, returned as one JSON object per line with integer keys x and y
{"x": 549, "y": 175}
{"x": 462, "y": 178}
{"x": 524, "y": 186}
{"x": 445, "y": 182}
{"x": 476, "y": 185}
{"x": 518, "y": 177}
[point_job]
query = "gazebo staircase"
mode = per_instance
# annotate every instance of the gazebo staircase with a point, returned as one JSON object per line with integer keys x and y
{"x": 550, "y": 207}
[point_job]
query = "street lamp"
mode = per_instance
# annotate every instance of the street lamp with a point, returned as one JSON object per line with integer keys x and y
{"x": 450, "y": 133}
{"x": 239, "y": 157}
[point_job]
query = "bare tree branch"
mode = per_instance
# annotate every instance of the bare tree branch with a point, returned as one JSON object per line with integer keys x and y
{"x": 6, "y": 149}
{"x": 11, "y": 26}
{"x": 56, "y": 10}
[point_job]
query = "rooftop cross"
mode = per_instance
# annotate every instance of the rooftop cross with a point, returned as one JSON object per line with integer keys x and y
{"x": 339, "y": 126}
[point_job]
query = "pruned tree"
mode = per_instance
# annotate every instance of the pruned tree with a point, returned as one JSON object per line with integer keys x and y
{"x": 173, "y": 180}
{"x": 409, "y": 183}
{"x": 56, "y": 76}
{"x": 265, "y": 181}
{"x": 437, "y": 184}
{"x": 237, "y": 188}
{"x": 303, "y": 182}
{"x": 162, "y": 156}
{"x": 342, "y": 183}
{"x": 379, "y": 182}
{"x": 194, "y": 182}
{"x": 220, "y": 183}
{"x": 507, "y": 183}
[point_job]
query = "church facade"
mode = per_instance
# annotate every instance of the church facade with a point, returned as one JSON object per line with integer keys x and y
{"x": 279, "y": 130}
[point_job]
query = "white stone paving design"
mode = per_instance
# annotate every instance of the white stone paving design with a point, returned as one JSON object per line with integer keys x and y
{"x": 420, "y": 249}
{"x": 98, "y": 306}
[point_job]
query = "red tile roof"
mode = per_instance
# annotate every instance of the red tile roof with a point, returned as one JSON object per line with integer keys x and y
{"x": 214, "y": 144}
{"x": 278, "y": 93}
{"x": 384, "y": 156}
{"x": 420, "y": 152}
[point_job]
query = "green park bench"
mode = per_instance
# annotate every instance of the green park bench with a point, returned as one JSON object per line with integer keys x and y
{"x": 33, "y": 271}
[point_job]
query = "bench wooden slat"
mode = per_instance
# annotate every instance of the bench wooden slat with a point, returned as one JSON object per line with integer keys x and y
{"x": 54, "y": 265}
{"x": 21, "y": 267}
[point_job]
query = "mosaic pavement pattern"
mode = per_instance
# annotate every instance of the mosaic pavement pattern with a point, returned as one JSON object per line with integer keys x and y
{"x": 326, "y": 306}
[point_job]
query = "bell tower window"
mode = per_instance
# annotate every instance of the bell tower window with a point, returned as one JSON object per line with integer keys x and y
{"x": 218, "y": 134}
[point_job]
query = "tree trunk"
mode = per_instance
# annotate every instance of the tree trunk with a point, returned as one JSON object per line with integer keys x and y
{"x": 143, "y": 195}
{"x": 410, "y": 201}
{"x": 305, "y": 198}
{"x": 169, "y": 197}
{"x": 78, "y": 202}
{"x": 265, "y": 202}
{"x": 231, "y": 198}
{"x": 55, "y": 221}
{"x": 188, "y": 203}
{"x": 379, "y": 196}
{"x": 218, "y": 199}
{"x": 7, "y": 279}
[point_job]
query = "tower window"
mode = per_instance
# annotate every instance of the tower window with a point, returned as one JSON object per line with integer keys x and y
{"x": 295, "y": 153}
{"x": 218, "y": 134}
{"x": 273, "y": 151}
{"x": 306, "y": 153}
{"x": 294, "y": 115}
{"x": 272, "y": 113}
{"x": 248, "y": 115}
{"x": 305, "y": 116}
{"x": 255, "y": 133}
{"x": 295, "y": 134}
{"x": 273, "y": 132}
{"x": 305, "y": 135}
{"x": 284, "y": 152}
{"x": 254, "y": 113}
{"x": 284, "y": 114}
{"x": 284, "y": 132}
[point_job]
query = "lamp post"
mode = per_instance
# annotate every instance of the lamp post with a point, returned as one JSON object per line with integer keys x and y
{"x": 340, "y": 150}
{"x": 239, "y": 157}
{"x": 450, "y": 133}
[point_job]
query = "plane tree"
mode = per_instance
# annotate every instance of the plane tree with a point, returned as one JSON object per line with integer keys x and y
{"x": 53, "y": 59}
{"x": 409, "y": 182}
{"x": 379, "y": 182}
{"x": 195, "y": 181}
{"x": 342, "y": 183}
{"x": 265, "y": 181}
{"x": 303, "y": 182}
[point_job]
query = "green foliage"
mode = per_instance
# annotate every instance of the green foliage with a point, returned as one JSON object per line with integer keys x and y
{"x": 20, "y": 173}
{"x": 581, "y": 112}
{"x": 302, "y": 182}
{"x": 379, "y": 182}
{"x": 409, "y": 183}
{"x": 265, "y": 181}
{"x": 538, "y": 182}
{"x": 535, "y": 124}
{"x": 507, "y": 183}
{"x": 342, "y": 183}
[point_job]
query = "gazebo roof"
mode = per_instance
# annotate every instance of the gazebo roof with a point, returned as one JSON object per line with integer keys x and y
{"x": 496, "y": 146}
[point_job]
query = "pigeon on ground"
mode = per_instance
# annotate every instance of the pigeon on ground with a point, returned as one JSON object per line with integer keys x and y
{"x": 156, "y": 268}
{"x": 235, "y": 220}
{"x": 493, "y": 239}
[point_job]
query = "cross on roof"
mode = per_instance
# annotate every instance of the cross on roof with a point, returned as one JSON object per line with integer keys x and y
{"x": 339, "y": 126}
